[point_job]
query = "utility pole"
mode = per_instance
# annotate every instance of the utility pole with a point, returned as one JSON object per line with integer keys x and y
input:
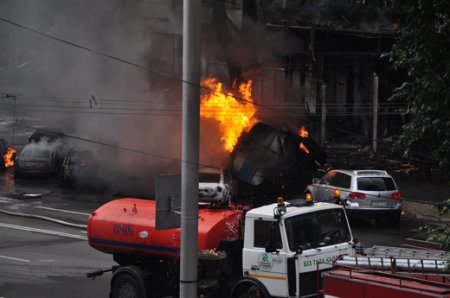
{"x": 323, "y": 96}
{"x": 190, "y": 148}
{"x": 14, "y": 119}
{"x": 375, "y": 113}
{"x": 14, "y": 99}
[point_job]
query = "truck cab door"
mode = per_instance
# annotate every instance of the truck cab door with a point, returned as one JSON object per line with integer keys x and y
{"x": 264, "y": 258}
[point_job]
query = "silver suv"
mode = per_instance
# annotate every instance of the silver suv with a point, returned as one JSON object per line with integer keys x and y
{"x": 368, "y": 193}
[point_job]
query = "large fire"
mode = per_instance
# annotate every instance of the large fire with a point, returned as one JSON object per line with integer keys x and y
{"x": 234, "y": 113}
{"x": 8, "y": 157}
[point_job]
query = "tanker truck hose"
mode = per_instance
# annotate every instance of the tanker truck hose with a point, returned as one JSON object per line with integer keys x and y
{"x": 54, "y": 220}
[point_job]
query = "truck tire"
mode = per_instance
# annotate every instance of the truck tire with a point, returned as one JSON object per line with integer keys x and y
{"x": 126, "y": 285}
{"x": 245, "y": 287}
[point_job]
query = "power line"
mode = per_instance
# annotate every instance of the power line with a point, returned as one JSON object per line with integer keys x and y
{"x": 177, "y": 107}
{"x": 86, "y": 99}
{"x": 334, "y": 109}
{"x": 104, "y": 113}
{"x": 144, "y": 102}
{"x": 229, "y": 115}
{"x": 167, "y": 76}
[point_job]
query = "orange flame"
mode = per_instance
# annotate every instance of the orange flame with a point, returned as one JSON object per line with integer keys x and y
{"x": 233, "y": 113}
{"x": 8, "y": 157}
{"x": 302, "y": 147}
{"x": 304, "y": 134}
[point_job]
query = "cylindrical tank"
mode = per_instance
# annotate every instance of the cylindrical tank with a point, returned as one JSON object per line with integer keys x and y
{"x": 127, "y": 226}
{"x": 267, "y": 151}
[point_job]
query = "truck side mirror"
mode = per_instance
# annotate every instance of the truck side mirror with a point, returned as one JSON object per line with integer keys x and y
{"x": 270, "y": 247}
{"x": 316, "y": 181}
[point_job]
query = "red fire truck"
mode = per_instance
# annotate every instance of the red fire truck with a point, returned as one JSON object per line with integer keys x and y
{"x": 389, "y": 272}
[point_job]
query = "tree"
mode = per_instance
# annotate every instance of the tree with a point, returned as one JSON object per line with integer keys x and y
{"x": 442, "y": 234}
{"x": 423, "y": 51}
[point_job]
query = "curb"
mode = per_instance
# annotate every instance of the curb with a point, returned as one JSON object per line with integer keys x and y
{"x": 424, "y": 211}
{"x": 61, "y": 222}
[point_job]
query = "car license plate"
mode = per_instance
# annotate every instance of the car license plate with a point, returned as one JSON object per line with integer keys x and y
{"x": 379, "y": 204}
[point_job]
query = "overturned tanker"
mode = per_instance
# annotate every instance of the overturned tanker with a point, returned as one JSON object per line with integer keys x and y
{"x": 268, "y": 161}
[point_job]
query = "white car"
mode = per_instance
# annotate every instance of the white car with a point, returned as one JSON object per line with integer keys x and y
{"x": 215, "y": 186}
{"x": 368, "y": 193}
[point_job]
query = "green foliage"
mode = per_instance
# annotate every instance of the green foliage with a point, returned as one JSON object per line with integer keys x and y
{"x": 442, "y": 234}
{"x": 423, "y": 51}
{"x": 444, "y": 207}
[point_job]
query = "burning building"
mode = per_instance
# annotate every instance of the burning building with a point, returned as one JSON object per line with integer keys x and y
{"x": 311, "y": 62}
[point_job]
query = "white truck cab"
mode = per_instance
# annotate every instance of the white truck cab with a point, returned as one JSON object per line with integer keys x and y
{"x": 287, "y": 245}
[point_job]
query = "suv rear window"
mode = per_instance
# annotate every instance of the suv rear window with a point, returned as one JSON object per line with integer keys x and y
{"x": 376, "y": 183}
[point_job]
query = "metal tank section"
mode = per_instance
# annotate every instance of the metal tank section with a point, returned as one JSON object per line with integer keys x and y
{"x": 267, "y": 161}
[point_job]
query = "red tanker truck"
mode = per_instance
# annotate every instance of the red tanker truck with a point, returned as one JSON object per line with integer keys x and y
{"x": 276, "y": 250}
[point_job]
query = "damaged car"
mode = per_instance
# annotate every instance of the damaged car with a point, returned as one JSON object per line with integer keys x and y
{"x": 81, "y": 169}
{"x": 215, "y": 186}
{"x": 43, "y": 156}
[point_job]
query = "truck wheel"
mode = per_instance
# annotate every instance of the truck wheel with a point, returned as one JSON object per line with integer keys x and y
{"x": 126, "y": 286}
{"x": 249, "y": 287}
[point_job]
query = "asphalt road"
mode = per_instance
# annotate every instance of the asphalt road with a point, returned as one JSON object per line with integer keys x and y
{"x": 42, "y": 258}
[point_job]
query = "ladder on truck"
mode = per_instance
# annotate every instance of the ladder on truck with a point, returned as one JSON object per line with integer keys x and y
{"x": 383, "y": 271}
{"x": 400, "y": 259}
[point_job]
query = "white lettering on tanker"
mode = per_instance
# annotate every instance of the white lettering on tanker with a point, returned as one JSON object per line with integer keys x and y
{"x": 123, "y": 229}
{"x": 265, "y": 261}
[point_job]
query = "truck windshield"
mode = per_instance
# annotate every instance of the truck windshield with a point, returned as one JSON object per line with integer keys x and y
{"x": 316, "y": 229}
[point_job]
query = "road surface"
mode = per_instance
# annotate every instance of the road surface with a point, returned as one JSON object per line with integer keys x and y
{"x": 44, "y": 252}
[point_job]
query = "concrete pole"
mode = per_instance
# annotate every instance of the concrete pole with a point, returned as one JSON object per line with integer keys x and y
{"x": 323, "y": 96}
{"x": 14, "y": 121}
{"x": 375, "y": 113}
{"x": 190, "y": 148}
